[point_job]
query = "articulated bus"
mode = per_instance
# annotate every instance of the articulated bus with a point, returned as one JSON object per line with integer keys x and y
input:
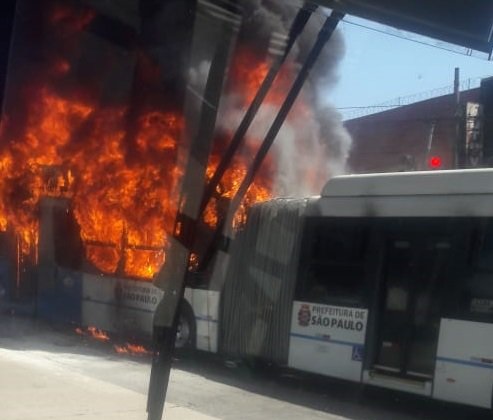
{"x": 384, "y": 279}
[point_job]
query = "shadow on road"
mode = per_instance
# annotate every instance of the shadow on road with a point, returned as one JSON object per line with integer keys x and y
{"x": 337, "y": 397}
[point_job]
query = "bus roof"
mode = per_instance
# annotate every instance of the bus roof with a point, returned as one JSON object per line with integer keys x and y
{"x": 466, "y": 181}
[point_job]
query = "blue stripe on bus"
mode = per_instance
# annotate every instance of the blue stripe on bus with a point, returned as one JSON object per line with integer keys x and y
{"x": 465, "y": 362}
{"x": 325, "y": 340}
{"x": 120, "y": 306}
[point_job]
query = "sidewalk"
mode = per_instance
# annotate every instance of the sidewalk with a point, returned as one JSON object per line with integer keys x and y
{"x": 32, "y": 387}
{"x": 50, "y": 372}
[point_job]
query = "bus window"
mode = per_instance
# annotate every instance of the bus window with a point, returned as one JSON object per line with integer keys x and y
{"x": 478, "y": 288}
{"x": 332, "y": 266}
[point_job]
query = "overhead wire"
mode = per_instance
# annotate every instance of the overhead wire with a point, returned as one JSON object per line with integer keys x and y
{"x": 320, "y": 15}
{"x": 468, "y": 51}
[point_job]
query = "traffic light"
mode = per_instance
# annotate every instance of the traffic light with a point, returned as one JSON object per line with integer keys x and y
{"x": 435, "y": 162}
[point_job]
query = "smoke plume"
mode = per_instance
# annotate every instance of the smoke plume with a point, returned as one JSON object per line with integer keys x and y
{"x": 312, "y": 145}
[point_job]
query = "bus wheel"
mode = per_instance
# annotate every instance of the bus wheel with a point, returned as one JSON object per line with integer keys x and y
{"x": 185, "y": 333}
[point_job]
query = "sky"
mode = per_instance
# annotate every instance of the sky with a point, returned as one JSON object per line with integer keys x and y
{"x": 380, "y": 67}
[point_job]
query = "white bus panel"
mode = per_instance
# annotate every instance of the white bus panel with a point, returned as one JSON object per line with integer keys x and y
{"x": 328, "y": 340}
{"x": 118, "y": 305}
{"x": 464, "y": 364}
{"x": 205, "y": 305}
{"x": 127, "y": 306}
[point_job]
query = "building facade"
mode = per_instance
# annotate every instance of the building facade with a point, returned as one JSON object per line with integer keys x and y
{"x": 420, "y": 136}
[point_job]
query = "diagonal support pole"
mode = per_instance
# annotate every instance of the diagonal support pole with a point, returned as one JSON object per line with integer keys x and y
{"x": 226, "y": 223}
{"x": 323, "y": 37}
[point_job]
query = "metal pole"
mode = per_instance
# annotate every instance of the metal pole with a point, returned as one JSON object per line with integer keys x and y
{"x": 456, "y": 85}
{"x": 456, "y": 149}
{"x": 171, "y": 278}
{"x": 297, "y": 27}
{"x": 167, "y": 313}
{"x": 430, "y": 140}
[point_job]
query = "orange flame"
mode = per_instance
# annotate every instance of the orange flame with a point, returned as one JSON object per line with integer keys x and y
{"x": 119, "y": 176}
{"x": 98, "y": 334}
{"x": 258, "y": 191}
{"x": 93, "y": 332}
{"x": 247, "y": 74}
{"x": 133, "y": 349}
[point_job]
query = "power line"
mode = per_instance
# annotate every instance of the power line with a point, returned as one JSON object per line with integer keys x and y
{"x": 416, "y": 41}
{"x": 468, "y": 51}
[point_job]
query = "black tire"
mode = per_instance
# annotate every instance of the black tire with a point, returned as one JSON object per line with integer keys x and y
{"x": 187, "y": 329}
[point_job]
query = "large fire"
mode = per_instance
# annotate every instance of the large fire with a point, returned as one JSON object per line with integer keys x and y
{"x": 119, "y": 176}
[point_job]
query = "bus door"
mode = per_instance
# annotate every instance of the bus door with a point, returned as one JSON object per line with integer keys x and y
{"x": 415, "y": 273}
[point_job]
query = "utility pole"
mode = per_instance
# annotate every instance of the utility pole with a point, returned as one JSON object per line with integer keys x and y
{"x": 457, "y": 155}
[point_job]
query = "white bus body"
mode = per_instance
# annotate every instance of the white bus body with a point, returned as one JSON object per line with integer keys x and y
{"x": 384, "y": 279}
{"x": 422, "y": 231}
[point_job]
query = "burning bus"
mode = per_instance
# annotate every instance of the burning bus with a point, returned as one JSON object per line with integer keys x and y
{"x": 93, "y": 137}
{"x": 328, "y": 284}
{"x": 98, "y": 126}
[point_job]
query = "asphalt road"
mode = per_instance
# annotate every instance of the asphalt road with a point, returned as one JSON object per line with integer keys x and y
{"x": 203, "y": 383}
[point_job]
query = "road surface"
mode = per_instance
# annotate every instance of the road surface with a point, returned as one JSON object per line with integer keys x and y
{"x": 53, "y": 373}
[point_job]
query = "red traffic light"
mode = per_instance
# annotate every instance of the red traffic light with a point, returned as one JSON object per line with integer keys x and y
{"x": 435, "y": 162}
